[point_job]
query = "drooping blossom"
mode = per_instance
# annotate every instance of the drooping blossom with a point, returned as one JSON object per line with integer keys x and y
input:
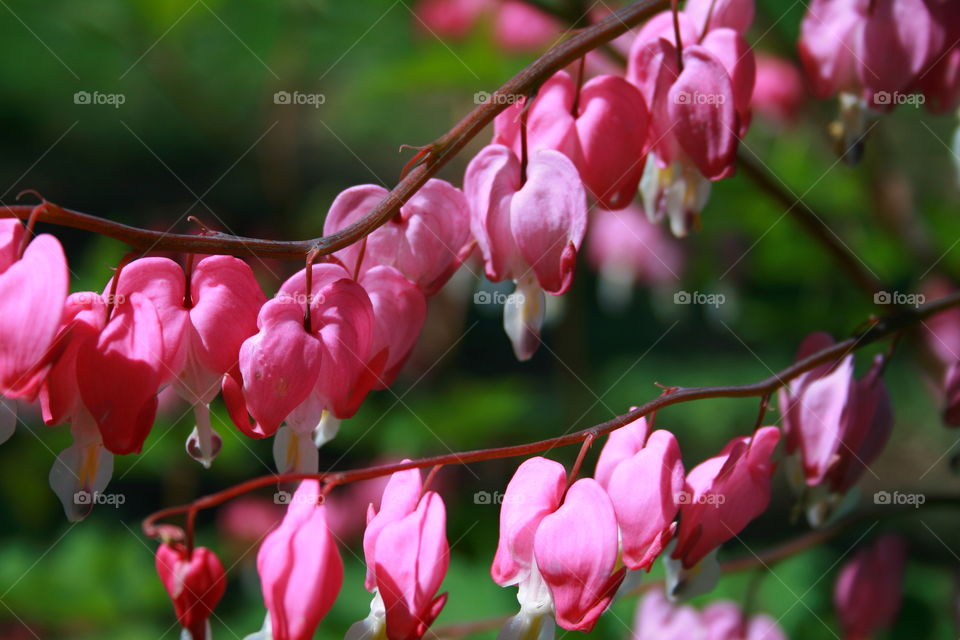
{"x": 699, "y": 106}
{"x": 399, "y": 310}
{"x": 779, "y": 91}
{"x": 659, "y": 619}
{"x": 626, "y": 249}
{"x": 942, "y": 334}
{"x": 721, "y": 496}
{"x": 835, "y": 425}
{"x": 529, "y": 229}
{"x": 306, "y": 374}
{"x": 195, "y": 581}
{"x": 518, "y": 27}
{"x": 221, "y": 313}
{"x": 602, "y": 128}
{"x": 560, "y": 550}
{"x": 300, "y": 569}
{"x": 867, "y": 593}
{"x": 870, "y": 52}
{"x": 33, "y": 288}
{"x": 642, "y": 473}
{"x": 407, "y": 555}
{"x": 426, "y": 241}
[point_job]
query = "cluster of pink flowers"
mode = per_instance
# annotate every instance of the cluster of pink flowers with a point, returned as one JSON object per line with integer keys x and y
{"x": 570, "y": 548}
{"x": 878, "y": 54}
{"x": 517, "y": 26}
{"x": 659, "y": 619}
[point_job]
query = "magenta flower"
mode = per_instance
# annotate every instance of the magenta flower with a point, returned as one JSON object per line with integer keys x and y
{"x": 33, "y": 288}
{"x": 300, "y": 569}
{"x": 779, "y": 91}
{"x": 643, "y": 476}
{"x": 195, "y": 582}
{"x": 308, "y": 379}
{"x": 658, "y": 619}
{"x": 399, "y": 310}
{"x": 836, "y": 425}
{"x": 867, "y": 594}
{"x": 528, "y": 231}
{"x": 407, "y": 555}
{"x": 725, "y": 620}
{"x": 426, "y": 242}
{"x": 605, "y": 136}
{"x": 561, "y": 551}
{"x": 698, "y": 111}
{"x": 723, "y": 494}
{"x": 626, "y": 249}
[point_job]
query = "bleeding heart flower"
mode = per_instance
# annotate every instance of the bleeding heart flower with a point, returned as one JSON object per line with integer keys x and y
{"x": 407, "y": 555}
{"x": 426, "y": 241}
{"x": 626, "y": 249}
{"x": 779, "y": 91}
{"x": 868, "y": 593}
{"x": 195, "y": 582}
{"x": 725, "y": 620}
{"x": 222, "y": 312}
{"x": 603, "y": 131}
{"x": 400, "y": 309}
{"x": 723, "y": 494}
{"x": 300, "y": 569}
{"x": 836, "y": 425}
{"x": 33, "y": 288}
{"x": 643, "y": 477}
{"x": 708, "y": 15}
{"x": 576, "y": 553}
{"x": 528, "y": 231}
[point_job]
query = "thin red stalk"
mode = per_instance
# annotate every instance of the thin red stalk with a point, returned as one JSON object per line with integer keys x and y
{"x": 676, "y": 33}
{"x": 441, "y": 152}
{"x": 881, "y": 328}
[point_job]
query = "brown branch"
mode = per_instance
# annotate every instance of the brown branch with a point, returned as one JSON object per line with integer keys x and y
{"x": 441, "y": 151}
{"x": 880, "y": 328}
{"x": 813, "y": 224}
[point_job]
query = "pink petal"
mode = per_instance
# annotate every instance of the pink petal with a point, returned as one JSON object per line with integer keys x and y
{"x": 535, "y": 491}
{"x": 621, "y": 445}
{"x": 548, "y": 216}
{"x": 576, "y": 550}
{"x": 400, "y": 310}
{"x": 733, "y": 14}
{"x": 490, "y": 182}
{"x": 701, "y": 104}
{"x": 400, "y": 498}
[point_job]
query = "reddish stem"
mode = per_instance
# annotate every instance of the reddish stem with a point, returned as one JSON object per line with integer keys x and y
{"x": 882, "y": 328}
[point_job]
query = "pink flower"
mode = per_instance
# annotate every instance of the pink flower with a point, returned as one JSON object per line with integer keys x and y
{"x": 300, "y": 569}
{"x": 520, "y": 27}
{"x": 869, "y": 48}
{"x": 643, "y": 476}
{"x": 427, "y": 241}
{"x": 835, "y": 424}
{"x": 561, "y": 551}
{"x": 698, "y": 111}
{"x": 399, "y": 309}
{"x": 867, "y": 594}
{"x": 221, "y": 313}
{"x": 658, "y": 619}
{"x": 725, "y": 620}
{"x": 779, "y": 92}
{"x": 407, "y": 555}
{"x": 308, "y": 379}
{"x": 448, "y": 19}
{"x": 605, "y": 137}
{"x": 707, "y": 15}
{"x": 576, "y": 552}
{"x": 626, "y": 249}
{"x": 33, "y": 288}
{"x": 195, "y": 582}
{"x": 723, "y": 494}
{"x": 528, "y": 231}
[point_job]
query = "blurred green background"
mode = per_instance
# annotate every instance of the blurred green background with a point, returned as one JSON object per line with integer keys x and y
{"x": 199, "y": 134}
